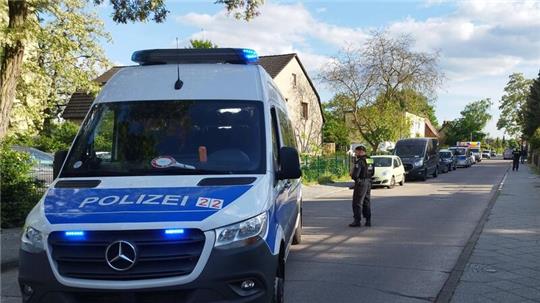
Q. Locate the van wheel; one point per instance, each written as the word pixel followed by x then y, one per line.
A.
pixel 424 176
pixel 297 237
pixel 402 182
pixel 392 183
pixel 279 283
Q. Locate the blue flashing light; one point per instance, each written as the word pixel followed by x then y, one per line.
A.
pixel 250 55
pixel 74 233
pixel 175 231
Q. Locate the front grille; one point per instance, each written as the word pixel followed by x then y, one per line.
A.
pixel 407 167
pixel 158 255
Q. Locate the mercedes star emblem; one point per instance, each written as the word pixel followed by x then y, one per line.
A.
pixel 121 255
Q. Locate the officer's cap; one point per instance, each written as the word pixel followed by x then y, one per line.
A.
pixel 361 147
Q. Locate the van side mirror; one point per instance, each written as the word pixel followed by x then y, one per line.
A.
pixel 289 163
pixel 59 158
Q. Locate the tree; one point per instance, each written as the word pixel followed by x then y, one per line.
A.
pixel 469 126
pixel 195 43
pixel 376 79
pixel 23 24
pixel 335 129
pixel 512 103
pixel 531 111
pixel 66 57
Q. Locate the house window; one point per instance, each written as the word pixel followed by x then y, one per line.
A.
pixel 294 80
pixel 305 110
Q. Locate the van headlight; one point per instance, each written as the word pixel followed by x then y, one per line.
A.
pixel 242 233
pixel 32 240
pixel 418 162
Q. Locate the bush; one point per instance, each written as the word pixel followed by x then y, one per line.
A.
pixel 59 137
pixel 18 191
pixel 535 139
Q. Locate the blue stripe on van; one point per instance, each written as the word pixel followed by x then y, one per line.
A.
pixel 124 205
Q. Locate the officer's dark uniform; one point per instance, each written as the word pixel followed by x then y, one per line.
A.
pixel 516 154
pixel 362 190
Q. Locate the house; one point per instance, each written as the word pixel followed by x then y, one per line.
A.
pixel 421 127
pixel 291 78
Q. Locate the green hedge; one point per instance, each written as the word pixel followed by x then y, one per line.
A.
pixel 18 191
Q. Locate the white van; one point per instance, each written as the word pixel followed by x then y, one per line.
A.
pixel 182 185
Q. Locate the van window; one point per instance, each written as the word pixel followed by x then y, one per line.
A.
pixel 190 137
pixel 275 139
pixel 396 163
pixel 287 132
pixel 410 149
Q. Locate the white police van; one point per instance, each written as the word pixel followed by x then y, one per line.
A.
pixel 182 185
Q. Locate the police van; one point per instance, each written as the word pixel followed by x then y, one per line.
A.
pixel 182 185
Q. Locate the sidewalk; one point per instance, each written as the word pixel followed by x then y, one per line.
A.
pixel 505 263
pixel 10 248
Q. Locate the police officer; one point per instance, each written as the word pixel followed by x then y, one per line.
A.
pixel 516 155
pixel 361 174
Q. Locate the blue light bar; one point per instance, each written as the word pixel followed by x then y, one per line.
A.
pixel 194 56
pixel 74 233
pixel 175 231
pixel 250 55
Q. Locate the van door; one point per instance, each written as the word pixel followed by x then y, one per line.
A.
pixel 290 205
pixel 281 189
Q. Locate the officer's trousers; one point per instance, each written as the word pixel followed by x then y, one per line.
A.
pixel 362 200
pixel 515 164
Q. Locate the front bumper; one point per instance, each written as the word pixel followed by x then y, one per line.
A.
pixel 219 281
pixel 380 181
pixel 415 172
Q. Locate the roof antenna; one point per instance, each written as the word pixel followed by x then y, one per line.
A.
pixel 178 84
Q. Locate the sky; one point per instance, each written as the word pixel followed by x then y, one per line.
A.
pixel 480 42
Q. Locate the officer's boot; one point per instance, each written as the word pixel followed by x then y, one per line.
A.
pixel 355 223
pixel 368 222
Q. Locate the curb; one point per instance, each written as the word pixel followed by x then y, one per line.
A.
pixel 447 291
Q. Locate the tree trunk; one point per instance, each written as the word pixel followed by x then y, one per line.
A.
pixel 11 62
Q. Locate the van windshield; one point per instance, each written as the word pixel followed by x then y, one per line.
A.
pixel 408 150
pixel 169 138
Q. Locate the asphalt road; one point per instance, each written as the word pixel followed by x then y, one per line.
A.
pixel 418 233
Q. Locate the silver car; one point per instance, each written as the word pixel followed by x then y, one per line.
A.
pixel 42 164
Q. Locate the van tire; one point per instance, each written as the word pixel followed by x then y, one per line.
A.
pixel 297 237
pixel 402 182
pixel 278 295
pixel 424 176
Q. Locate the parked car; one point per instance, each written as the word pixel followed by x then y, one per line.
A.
pixel 486 154
pixel 388 172
pixel 493 153
pixel 448 161
pixel 508 154
pixel 42 164
pixel 463 156
pixel 420 157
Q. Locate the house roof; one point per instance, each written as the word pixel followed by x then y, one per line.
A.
pixel 431 127
pixel 80 102
pixel 276 63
